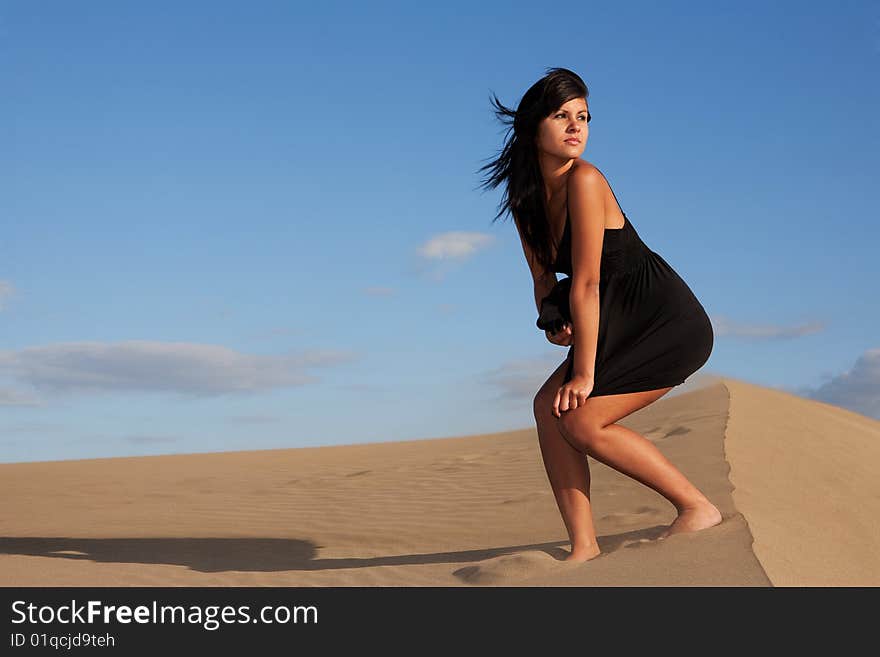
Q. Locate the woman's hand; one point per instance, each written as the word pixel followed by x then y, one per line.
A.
pixel 563 337
pixel 572 394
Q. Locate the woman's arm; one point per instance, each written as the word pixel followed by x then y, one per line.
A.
pixel 543 285
pixel 585 318
pixel 587 216
pixel 544 280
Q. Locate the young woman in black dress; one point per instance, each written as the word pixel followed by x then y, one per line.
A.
pixel 640 329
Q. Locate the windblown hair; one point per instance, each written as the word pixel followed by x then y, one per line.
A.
pixel 517 164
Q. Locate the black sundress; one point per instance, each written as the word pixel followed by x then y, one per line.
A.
pixel 653 331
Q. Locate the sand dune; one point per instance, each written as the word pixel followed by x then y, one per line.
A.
pixel 805 477
pixel 471 511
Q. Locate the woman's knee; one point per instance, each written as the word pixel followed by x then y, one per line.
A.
pixel 579 431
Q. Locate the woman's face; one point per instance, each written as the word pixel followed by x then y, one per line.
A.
pixel 564 133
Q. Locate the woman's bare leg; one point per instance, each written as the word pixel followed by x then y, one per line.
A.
pixel 590 429
pixel 568 471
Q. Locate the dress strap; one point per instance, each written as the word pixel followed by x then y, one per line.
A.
pixel 614 195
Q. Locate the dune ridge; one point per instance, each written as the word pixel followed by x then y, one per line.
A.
pixel 805 478
pixel 464 511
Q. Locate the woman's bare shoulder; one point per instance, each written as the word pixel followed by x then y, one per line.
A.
pixel 585 174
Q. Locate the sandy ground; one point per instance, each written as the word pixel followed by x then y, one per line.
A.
pixel 794 479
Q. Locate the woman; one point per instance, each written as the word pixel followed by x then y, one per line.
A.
pixel 640 330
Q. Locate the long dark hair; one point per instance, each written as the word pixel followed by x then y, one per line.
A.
pixel 517 163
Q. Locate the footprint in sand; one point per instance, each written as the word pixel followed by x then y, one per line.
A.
pixel 635 517
pixel 510 568
pixel 659 433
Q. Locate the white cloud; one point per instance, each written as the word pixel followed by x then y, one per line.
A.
pixel 455 245
pixel 724 327
pixel 857 389
pixel 140 365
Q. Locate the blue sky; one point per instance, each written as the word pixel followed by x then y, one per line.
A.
pixel 257 225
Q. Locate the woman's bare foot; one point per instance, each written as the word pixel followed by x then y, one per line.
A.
pixel 692 519
pixel 585 553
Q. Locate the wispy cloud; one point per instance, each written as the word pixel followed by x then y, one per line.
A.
pixel 16 397
pixel 140 365
pixel 519 380
pixel 454 245
pixel 857 389
pixel 724 327
pixel 446 251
